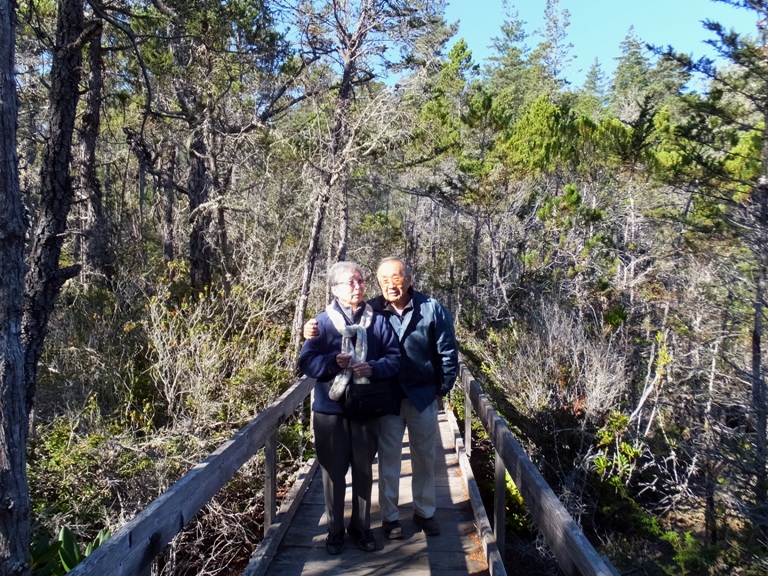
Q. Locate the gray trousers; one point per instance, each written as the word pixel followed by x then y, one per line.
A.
pixel 341 443
pixel 422 435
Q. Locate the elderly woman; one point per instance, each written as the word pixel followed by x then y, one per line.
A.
pixel 355 346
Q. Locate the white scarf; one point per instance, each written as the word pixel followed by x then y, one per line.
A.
pixel 359 351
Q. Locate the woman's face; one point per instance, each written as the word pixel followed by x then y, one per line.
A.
pixel 349 289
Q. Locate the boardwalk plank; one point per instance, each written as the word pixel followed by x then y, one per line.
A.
pixel 456 551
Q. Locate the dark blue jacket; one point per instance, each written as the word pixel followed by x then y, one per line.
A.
pixel 318 356
pixel 429 360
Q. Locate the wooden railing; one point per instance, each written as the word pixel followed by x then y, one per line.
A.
pixel 575 555
pixel 134 546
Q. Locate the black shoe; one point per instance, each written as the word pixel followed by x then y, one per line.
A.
pixel 429 526
pixel 364 538
pixel 334 543
pixel 393 530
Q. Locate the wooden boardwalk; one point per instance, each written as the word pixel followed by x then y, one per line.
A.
pixel 457 550
pixel 132 550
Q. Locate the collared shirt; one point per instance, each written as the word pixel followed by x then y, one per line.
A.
pixel 400 313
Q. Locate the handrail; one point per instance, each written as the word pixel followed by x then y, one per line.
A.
pixel 575 555
pixel 493 555
pixel 135 545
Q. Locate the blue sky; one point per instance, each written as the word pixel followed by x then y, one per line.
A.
pixel 599 26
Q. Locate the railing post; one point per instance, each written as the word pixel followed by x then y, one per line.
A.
pixel 270 480
pixel 500 502
pixel 467 413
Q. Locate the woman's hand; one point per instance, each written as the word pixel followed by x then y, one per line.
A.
pixel 343 360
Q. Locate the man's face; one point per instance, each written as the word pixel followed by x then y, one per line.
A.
pixel 394 283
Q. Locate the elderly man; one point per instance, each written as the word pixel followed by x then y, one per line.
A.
pixel 428 369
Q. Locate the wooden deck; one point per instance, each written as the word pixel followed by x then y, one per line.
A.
pixel 457 550
pixel 133 549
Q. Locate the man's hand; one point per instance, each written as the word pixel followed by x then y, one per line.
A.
pixel 310 329
pixel 362 369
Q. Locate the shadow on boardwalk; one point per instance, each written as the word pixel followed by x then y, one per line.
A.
pixel 457 550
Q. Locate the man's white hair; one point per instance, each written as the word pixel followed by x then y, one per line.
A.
pixel 406 268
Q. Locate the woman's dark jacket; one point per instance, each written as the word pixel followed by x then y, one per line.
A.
pixel 318 356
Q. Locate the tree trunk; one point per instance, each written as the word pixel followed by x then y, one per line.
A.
pixel 473 272
pixel 759 406
pixel 495 277
pixel 334 166
pixel 200 249
pixel 223 247
pixel 321 204
pixel 14 491
pixel 96 263
pixel 452 304
pixel 711 465
pixel 341 252
pixel 45 278
pixel 166 185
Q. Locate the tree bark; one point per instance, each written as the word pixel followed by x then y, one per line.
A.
pixel 96 263
pixel 759 407
pixel 341 252
pixel 321 204
pixel 14 492
pixel 473 271
pixel 45 277
pixel 200 248
pixel 165 179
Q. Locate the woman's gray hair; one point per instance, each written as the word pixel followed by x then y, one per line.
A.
pixel 335 271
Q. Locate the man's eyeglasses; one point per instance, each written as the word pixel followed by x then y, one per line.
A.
pixel 395 280
pixel 351 283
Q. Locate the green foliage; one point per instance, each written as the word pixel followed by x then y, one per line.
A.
pixel 616 457
pixel 615 316
pixel 690 556
pixel 592 99
pixel 744 164
pixel 537 139
pixel 517 516
pixel 438 128
pixel 633 66
pixel 384 231
pixel 60 556
pixel 65 465
pixel 44 556
pixel 568 210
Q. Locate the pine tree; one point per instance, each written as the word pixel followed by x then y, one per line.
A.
pixel 556 51
pixel 592 98
pixel 630 78
pixel 15 524
pixel 725 143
